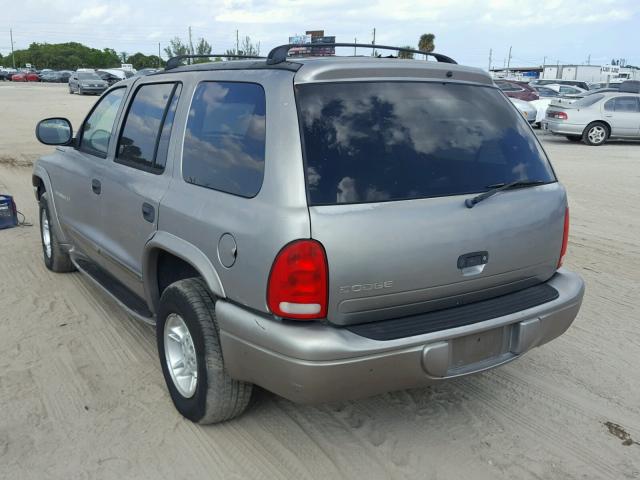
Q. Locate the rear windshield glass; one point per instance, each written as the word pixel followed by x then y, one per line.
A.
pixel 383 141
pixel 589 100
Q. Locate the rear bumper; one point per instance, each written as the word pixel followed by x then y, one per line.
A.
pixel 314 362
pixel 563 128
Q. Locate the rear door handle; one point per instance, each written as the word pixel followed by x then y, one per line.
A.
pixel 148 212
pixel 96 186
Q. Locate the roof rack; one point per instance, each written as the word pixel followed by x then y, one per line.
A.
pixel 174 62
pixel 279 54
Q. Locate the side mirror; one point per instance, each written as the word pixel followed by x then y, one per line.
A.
pixel 54 131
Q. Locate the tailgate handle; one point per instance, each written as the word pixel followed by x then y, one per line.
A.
pixel 472 259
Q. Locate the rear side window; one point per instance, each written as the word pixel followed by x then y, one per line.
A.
pixel 383 141
pixel 626 104
pixel 145 135
pixel 224 144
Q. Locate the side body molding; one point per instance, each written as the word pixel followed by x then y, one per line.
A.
pixel 164 241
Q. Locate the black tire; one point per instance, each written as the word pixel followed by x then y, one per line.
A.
pixel 588 135
pixel 217 396
pixel 56 259
pixel 574 138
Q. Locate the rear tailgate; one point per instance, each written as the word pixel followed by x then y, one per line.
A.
pixel 401 258
pixel 388 168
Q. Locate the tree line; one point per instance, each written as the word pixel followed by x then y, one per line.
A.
pixel 73 55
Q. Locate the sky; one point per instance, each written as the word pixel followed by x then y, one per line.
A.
pixel 565 31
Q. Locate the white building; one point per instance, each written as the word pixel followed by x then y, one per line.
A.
pixel 586 73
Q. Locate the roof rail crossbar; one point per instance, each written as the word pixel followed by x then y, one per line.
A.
pixel 174 62
pixel 279 54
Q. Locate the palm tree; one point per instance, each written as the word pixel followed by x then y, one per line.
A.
pixel 426 42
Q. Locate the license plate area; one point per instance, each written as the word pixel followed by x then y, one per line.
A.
pixel 479 347
pixel 480 351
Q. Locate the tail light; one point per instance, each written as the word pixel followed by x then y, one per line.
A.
pixel 565 238
pixel 558 115
pixel 298 282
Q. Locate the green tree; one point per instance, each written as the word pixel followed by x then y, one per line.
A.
pixel 203 48
pixel 67 56
pixel 176 47
pixel 426 42
pixel 247 47
pixel 140 60
pixel 404 54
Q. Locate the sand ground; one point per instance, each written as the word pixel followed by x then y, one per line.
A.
pixel 82 395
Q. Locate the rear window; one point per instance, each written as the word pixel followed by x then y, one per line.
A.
pixel 587 101
pixel 384 141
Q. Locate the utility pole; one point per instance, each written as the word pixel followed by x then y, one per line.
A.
pixel 589 59
pixel 508 61
pixel 355 40
pixel 159 59
pixel 13 58
pixel 237 43
pixel 191 52
pixel 490 53
pixel 373 52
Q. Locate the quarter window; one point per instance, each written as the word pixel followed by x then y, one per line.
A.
pixel 144 140
pixel 224 145
pixel 96 130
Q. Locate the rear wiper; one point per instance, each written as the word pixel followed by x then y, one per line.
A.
pixel 499 187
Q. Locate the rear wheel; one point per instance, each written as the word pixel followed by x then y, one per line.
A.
pixel 191 356
pixel 574 138
pixel 55 258
pixel 595 134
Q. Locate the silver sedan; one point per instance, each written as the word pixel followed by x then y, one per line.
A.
pixel 596 118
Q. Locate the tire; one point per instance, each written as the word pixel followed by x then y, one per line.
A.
pixel 70 90
pixel 216 397
pixel 55 258
pixel 574 138
pixel 595 134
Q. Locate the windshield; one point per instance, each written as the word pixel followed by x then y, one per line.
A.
pixel 88 76
pixel 383 141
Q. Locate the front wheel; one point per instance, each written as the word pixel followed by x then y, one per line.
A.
pixel 595 134
pixel 191 356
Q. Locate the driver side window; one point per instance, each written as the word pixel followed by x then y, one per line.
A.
pixel 96 130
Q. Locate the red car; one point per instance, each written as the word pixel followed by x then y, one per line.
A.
pixel 25 77
pixel 519 90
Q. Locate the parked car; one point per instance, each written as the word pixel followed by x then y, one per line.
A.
pixel 25 77
pixel 527 110
pixel 110 78
pixel 545 82
pixel 6 74
pixel 324 235
pixel 82 82
pixel 521 91
pixel 596 118
pixel 565 89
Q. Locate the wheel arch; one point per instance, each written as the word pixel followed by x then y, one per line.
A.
pixel 163 244
pixel 604 122
pixel 41 185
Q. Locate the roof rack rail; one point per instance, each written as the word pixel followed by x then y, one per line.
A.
pixel 174 62
pixel 279 54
